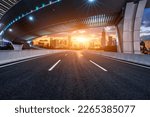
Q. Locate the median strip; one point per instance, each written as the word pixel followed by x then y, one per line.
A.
pixel 54 65
pixel 98 66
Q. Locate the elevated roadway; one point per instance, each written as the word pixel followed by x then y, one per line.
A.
pixel 63 15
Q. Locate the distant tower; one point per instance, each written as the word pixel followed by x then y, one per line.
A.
pixel 52 43
pixel 110 41
pixel 103 39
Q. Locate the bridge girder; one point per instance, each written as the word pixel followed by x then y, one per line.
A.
pixel 59 17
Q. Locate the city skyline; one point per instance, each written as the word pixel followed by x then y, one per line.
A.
pixel 87 38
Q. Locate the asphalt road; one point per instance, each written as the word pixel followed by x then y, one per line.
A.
pixel 74 75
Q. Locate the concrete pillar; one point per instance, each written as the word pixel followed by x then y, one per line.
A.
pixel 119 31
pixel 128 27
pixel 131 27
pixel 119 49
pixel 137 25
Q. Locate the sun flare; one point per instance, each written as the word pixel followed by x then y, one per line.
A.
pixel 81 40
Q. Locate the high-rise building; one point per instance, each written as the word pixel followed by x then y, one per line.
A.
pixel 110 41
pixel 103 39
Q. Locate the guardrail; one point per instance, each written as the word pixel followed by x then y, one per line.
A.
pixel 12 56
pixel 135 58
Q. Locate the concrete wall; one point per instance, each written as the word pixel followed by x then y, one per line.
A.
pixel 11 56
pixel 135 58
pixel 128 27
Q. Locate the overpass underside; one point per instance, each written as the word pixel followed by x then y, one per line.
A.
pixel 125 15
pixel 127 26
pixel 82 23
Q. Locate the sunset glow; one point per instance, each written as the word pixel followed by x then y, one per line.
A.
pixel 79 39
pixel 82 40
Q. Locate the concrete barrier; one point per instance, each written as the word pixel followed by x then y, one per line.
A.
pixel 135 58
pixel 12 56
pixel 17 47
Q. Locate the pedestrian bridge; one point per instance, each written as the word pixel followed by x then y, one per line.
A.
pixel 23 20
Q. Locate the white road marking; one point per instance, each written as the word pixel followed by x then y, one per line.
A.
pixel 54 65
pixel 14 63
pixel 79 54
pixel 98 66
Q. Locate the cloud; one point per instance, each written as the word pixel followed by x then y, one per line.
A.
pixel 145 37
pixel 146 23
pixel 146 18
pixel 145 28
pixel 110 29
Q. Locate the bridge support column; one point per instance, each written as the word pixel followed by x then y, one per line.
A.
pixel 137 25
pixel 119 29
pixel 131 27
pixel 128 28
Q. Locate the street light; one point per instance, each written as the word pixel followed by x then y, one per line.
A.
pixel 10 30
pixel 91 1
pixel 31 18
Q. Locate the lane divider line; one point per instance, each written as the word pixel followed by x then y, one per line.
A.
pixel 98 66
pixel 54 65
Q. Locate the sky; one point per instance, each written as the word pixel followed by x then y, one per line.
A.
pixel 90 33
pixel 145 28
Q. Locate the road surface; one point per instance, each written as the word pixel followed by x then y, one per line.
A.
pixel 74 75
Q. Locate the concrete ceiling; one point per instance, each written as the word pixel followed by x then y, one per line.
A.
pixel 6 5
pixel 64 15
